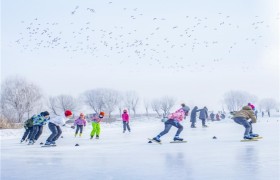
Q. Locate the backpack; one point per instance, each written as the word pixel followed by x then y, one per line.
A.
pixel 28 123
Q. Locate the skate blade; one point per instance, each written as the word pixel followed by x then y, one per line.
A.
pixel 257 137
pixel 154 141
pixel 178 141
pixel 247 140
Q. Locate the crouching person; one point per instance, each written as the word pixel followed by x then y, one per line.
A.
pixel 246 117
pixel 55 124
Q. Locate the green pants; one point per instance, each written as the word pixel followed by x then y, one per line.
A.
pixel 95 129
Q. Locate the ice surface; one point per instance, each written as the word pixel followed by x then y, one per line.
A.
pixel 129 156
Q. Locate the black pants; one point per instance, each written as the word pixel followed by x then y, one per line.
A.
pixel 28 132
pixel 36 132
pixel 168 124
pixel 56 132
pixel 79 127
pixel 126 125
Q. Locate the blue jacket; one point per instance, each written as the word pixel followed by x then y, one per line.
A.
pixel 39 120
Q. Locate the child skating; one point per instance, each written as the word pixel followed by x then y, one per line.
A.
pixel 54 126
pixel 125 119
pixel 80 123
pixel 242 117
pixel 28 126
pixel 38 123
pixel 96 125
pixel 174 119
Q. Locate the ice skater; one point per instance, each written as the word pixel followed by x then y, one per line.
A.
pixel 242 117
pixel 174 119
pixel 96 125
pixel 38 123
pixel 80 123
pixel 125 119
pixel 54 126
pixel 28 126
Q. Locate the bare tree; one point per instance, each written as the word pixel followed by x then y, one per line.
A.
pixel 120 104
pixel 94 99
pixel 53 105
pixel 156 104
pixel 59 104
pixel 166 103
pixel 147 106
pixel 111 99
pixel 235 100
pixel 131 101
pixel 19 99
pixel 268 104
pixel 67 102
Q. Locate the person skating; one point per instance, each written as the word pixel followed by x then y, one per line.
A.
pixel 242 117
pixel 193 116
pixel 212 116
pixel 80 123
pixel 203 115
pixel 96 125
pixel 54 126
pixel 38 123
pixel 125 119
pixel 174 119
pixel 28 126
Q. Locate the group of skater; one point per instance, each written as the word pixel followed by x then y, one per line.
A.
pixel 245 117
pixel 34 126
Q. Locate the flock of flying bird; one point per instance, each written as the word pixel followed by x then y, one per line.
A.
pixel 159 41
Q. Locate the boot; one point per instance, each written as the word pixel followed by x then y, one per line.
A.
pixel 254 135
pixel 97 137
pixel 177 138
pixel 248 137
pixel 80 134
pixel 76 134
pixel 157 139
pixel 47 143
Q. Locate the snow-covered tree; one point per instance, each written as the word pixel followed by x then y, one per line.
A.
pixel 156 104
pixel 235 100
pixel 268 104
pixel 58 104
pixel 166 103
pixel 19 99
pixel 131 100
pixel 147 105
pixel 94 99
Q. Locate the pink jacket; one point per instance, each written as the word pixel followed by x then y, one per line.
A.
pixel 80 121
pixel 178 115
pixel 125 117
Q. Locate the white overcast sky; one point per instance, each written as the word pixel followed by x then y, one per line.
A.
pixel 192 50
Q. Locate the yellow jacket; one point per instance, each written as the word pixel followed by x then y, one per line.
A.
pixel 247 113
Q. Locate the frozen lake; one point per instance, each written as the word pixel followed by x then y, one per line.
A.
pixel 128 156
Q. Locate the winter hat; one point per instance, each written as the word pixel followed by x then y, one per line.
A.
pixel 186 108
pixel 101 114
pixel 45 113
pixel 68 113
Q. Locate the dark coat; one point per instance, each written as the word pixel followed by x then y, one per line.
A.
pixel 203 113
pixel 193 113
